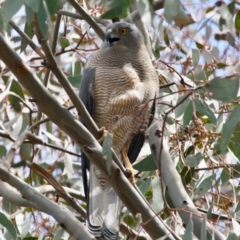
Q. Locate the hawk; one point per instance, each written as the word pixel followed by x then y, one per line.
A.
pixel 118 88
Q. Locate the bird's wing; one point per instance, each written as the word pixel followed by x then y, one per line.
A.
pixel 88 101
pixel 139 139
pixel 103 204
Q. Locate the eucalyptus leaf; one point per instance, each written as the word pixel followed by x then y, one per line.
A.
pixel 64 42
pixel 195 57
pixel 194 159
pixel 225 175
pixel 223 89
pixel 147 164
pixel 229 127
pixel 188 114
pixel 204 110
pixel 180 109
pixel 5 222
pixel 75 80
pixel 205 185
pixel 188 235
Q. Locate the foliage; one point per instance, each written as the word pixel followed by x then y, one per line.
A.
pixel 195 46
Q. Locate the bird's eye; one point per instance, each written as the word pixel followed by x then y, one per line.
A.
pixel 122 31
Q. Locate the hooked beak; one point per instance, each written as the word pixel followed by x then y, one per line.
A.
pixel 110 37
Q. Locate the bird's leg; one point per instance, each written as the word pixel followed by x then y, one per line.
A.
pixel 103 132
pixel 128 166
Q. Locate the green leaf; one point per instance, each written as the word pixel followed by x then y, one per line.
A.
pixel 29 14
pixel 3 151
pixel 5 222
pixel 193 160
pixel 145 186
pixel 231 39
pixel 77 69
pixel 58 233
pixel 33 5
pixel 237 207
pixel 204 24
pixel 75 81
pixel 224 89
pixel 147 164
pixel 235 171
pixel 107 151
pixel 225 175
pixel 209 213
pixel 188 235
pixel 42 19
pixel 182 107
pixel 158 203
pixel 237 21
pixel 232 236
pixel 17 89
pixel 204 109
pixel 28 30
pixel 64 42
pixel 54 5
pixel 116 9
pixel 229 127
pixel 195 57
pixel 205 185
pixel 203 229
pixel 234 144
pixel 187 175
pixel 173 8
pixel 10 7
pixel 14 101
pixel 165 36
pixel 188 114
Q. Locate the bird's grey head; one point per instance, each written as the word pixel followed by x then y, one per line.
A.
pixel 123 33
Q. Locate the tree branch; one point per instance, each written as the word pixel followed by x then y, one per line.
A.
pixel 173 182
pixel 26 38
pixel 61 214
pixel 65 121
pixel 88 19
pixel 25 135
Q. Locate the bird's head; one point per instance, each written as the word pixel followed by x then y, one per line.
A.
pixel 123 33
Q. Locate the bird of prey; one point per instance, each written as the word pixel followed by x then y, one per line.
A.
pixel 118 88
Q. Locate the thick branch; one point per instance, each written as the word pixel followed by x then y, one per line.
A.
pixel 61 214
pixel 173 183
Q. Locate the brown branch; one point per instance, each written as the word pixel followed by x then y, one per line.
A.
pixel 62 215
pixel 88 19
pixel 26 38
pixel 11 153
pixel 60 190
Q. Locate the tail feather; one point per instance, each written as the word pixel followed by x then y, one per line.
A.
pixel 104 206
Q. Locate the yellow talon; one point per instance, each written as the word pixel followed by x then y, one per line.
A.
pixel 103 132
pixel 128 166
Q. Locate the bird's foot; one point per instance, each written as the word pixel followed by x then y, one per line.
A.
pixel 103 133
pixel 130 175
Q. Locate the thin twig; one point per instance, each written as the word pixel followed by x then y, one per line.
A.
pixel 26 38
pixel 60 190
pixel 25 135
pixel 88 19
